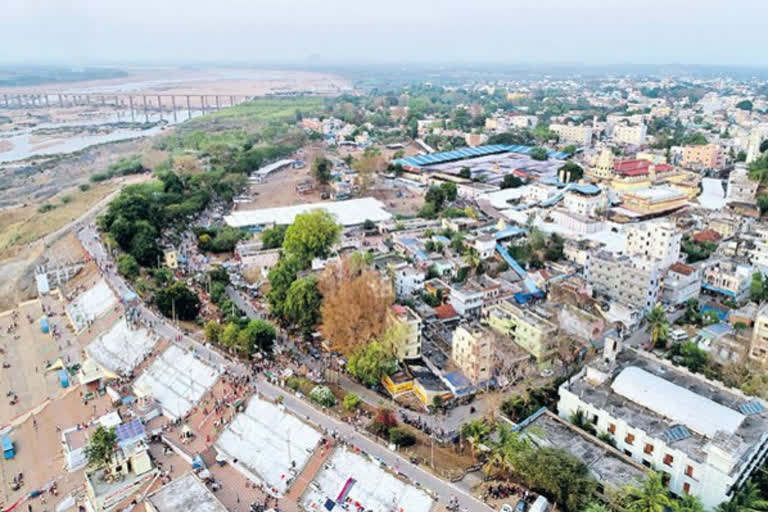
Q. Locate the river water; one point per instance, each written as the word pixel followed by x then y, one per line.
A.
pixel 24 147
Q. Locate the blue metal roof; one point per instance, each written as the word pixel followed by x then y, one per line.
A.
pixel 677 433
pixel 751 408
pixel 463 153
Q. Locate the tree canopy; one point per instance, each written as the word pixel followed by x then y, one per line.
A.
pixel 101 447
pixel 311 235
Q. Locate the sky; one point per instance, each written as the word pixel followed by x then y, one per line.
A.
pixel 581 32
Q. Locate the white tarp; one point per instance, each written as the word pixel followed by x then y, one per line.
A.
pixel 347 213
pixel 269 442
pixel 374 488
pixel 121 348
pixel 177 380
pixel 90 305
pixel 681 405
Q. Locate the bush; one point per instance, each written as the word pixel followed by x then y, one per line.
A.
pixel 401 437
pixel 323 395
pixel 45 207
pixel 351 402
pixel 66 199
pixel 84 187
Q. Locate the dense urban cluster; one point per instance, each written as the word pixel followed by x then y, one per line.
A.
pixel 512 294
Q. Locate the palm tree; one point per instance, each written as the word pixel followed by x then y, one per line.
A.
pixel 658 325
pixel 476 432
pixel 652 497
pixel 688 503
pixel 595 506
pixel 471 258
pixel 506 452
pixel 746 499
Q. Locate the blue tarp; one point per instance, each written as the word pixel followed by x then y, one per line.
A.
pixel 44 325
pixel 8 451
pixel 63 378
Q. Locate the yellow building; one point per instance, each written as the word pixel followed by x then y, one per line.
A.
pixel 528 329
pixel 400 382
pixel 171 257
pixel 653 200
pixel 603 166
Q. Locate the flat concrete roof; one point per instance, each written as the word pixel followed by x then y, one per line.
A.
pixel 347 213
pixel 185 494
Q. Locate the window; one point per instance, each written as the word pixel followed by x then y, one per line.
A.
pixel 689 471
pixel 648 448
pixel 668 459
pixel 612 428
pixel 687 488
pixel 630 439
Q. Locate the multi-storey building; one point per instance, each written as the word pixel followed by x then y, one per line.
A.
pixel 633 281
pixel 758 347
pixel 408 346
pixel 658 240
pixel 653 200
pixel 529 329
pixel 581 135
pixel 727 278
pixel 629 134
pixel 581 202
pixel 703 438
pixel 603 167
pixel 681 284
pixel 741 189
pixel 706 156
pixel 472 349
pixel 467 299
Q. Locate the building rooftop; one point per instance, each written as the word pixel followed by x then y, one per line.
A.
pixel 609 467
pixel 347 213
pixel 657 397
pixel 185 494
pixel 682 268
pixel 657 194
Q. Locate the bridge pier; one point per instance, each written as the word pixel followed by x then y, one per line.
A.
pixel 133 115
pixel 189 109
pixel 173 106
pixel 146 113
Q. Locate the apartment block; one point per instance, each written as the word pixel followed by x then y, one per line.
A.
pixel 706 156
pixel 580 135
pixel 741 189
pixel 409 345
pixel 758 347
pixel 472 350
pixel 531 330
pixel 681 284
pixel 727 278
pixel 659 240
pixel 630 134
pixel 633 281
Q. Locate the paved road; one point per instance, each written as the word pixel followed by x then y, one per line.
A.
pixel 444 490
pixel 90 239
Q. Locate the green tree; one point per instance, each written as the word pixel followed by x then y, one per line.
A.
pixel 311 235
pixel 351 402
pixel 465 173
pixel 746 499
pixel 745 105
pixel 258 335
pixel 401 437
pixel 127 266
pixel 476 433
pixel 511 181
pixel 321 169
pixel 212 331
pixel 436 196
pixel 281 276
pixel 228 337
pixel 179 298
pixel 539 153
pixel 370 363
pixel 688 503
pixel 757 287
pixel 651 497
pixel 302 304
pixel 595 506
pixel 657 324
pixel 449 190
pixel 101 447
pixel 571 171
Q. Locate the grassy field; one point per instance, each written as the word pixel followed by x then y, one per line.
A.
pixel 262 110
pixel 22 226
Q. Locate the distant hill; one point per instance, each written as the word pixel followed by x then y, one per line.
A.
pixel 10 77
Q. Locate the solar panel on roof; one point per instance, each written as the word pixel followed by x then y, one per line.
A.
pixel 677 433
pixel 130 430
pixel 753 407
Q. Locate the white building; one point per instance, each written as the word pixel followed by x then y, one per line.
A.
pixel 634 281
pixel 586 205
pixel 629 134
pixel 681 284
pixel 580 135
pixel 705 439
pixel 485 245
pixel 409 345
pixel 473 349
pixel 408 280
pixel 659 240
pixel 727 278
pixel 467 300
pixel 741 189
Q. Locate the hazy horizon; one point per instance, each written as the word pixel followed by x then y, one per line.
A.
pixel 554 32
